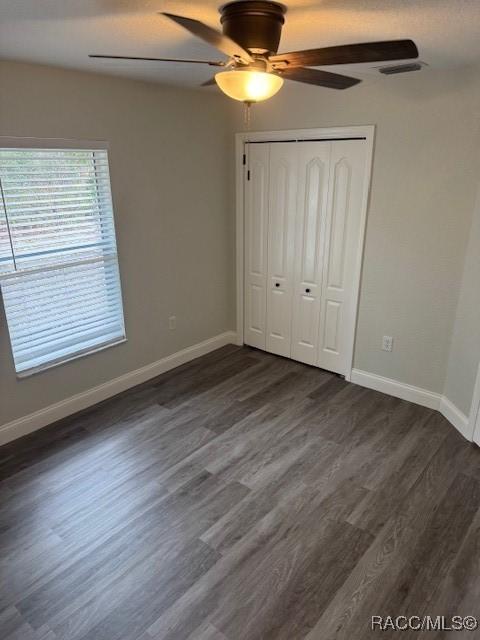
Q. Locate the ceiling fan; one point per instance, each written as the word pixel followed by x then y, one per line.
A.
pixel 254 71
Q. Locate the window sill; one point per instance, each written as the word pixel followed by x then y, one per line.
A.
pixel 56 363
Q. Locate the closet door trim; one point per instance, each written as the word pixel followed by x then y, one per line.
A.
pixel 242 140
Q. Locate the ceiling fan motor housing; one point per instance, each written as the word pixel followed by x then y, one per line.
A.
pixel 256 25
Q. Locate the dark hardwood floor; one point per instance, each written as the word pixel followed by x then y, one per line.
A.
pixel 239 497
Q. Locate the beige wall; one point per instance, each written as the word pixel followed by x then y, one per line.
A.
pixel 169 160
pixel 423 187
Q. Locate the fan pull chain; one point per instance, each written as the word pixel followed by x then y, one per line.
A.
pixel 247 116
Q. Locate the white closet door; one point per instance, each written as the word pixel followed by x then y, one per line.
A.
pixel 314 160
pixel 256 228
pixel 281 238
pixel 343 247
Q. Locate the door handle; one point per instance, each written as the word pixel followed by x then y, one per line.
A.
pixel 307 290
pixel 277 284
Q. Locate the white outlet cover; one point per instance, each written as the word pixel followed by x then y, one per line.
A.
pixel 387 343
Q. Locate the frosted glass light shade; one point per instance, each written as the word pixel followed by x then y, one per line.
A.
pixel 248 86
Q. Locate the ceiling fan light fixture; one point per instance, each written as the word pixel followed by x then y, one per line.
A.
pixel 247 85
pixel 250 37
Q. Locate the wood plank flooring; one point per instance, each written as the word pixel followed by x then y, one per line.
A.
pixel 241 496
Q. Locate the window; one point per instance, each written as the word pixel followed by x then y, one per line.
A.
pixel 58 258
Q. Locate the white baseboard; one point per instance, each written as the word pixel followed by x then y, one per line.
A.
pixel 43 417
pixel 27 424
pixel 456 417
pixel 417 395
pixel 397 389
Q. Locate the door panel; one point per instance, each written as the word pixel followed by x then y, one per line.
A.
pixel 332 319
pixel 256 316
pixel 343 247
pixel 307 324
pixel 340 211
pixel 315 183
pixel 281 230
pixel 256 221
pixel 313 174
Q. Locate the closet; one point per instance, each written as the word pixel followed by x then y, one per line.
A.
pixel 303 242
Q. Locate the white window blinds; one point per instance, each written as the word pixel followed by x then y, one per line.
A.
pixel 58 258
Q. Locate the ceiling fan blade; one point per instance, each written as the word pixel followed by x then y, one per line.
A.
pixel 209 83
pixel 223 43
pixel 350 53
pixel 210 62
pixel 319 78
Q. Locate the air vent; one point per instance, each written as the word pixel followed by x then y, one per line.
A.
pixel 401 68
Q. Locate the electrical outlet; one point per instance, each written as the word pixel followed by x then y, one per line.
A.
pixel 172 322
pixel 387 343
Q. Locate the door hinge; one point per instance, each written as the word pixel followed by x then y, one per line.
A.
pixel 248 174
pixel 244 158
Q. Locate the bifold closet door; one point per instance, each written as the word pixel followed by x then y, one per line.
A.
pixel 312 202
pixel 256 230
pixel 342 253
pixel 303 245
pixel 280 246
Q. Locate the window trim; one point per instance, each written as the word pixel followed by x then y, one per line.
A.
pixel 14 142
pixel 80 354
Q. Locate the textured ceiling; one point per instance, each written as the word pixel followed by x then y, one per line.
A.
pixel 64 32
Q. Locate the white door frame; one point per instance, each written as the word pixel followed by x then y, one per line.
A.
pixel 474 417
pixel 329 133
